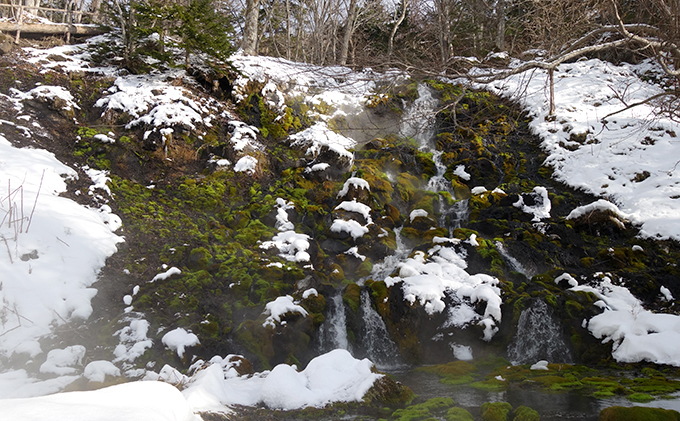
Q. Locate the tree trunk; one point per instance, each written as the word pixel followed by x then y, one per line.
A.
pixel 349 31
pixel 500 25
pixel 390 41
pixel 249 42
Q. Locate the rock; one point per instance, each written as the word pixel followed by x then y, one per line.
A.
pixel 638 413
pixel 388 392
pixel 6 44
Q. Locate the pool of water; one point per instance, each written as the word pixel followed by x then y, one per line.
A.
pixel 571 405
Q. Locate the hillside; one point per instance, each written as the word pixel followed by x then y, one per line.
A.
pixel 250 231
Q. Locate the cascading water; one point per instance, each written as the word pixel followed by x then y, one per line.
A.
pixel 382 270
pixel 538 337
pixel 375 339
pixel 419 123
pixel 514 264
pixel 333 331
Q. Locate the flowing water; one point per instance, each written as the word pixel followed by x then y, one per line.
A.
pixel 333 332
pixel 376 340
pixel 514 264
pixel 538 337
pixel 419 123
pixel 389 264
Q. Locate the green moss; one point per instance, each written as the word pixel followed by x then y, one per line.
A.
pixel 352 296
pixel 491 385
pixel 458 414
pixel 455 372
pixel 638 413
pixel 640 397
pixel 524 413
pixel 364 268
pixel 423 410
pixel 496 411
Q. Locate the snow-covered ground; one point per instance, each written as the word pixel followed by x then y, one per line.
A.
pixel 628 156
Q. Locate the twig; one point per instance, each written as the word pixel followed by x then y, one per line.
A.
pixel 30 218
pixel 644 101
pixel 9 252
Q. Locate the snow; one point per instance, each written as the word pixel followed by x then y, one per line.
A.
pixel 309 293
pixel 540 365
pixel 460 172
pixel 637 334
pixel 178 339
pixel 318 136
pixel 417 213
pixel 243 136
pixel 427 279
pixel 52 250
pixel 567 277
pixel 356 182
pixel 152 100
pixel 136 401
pixel 356 207
pixel 279 307
pixel 332 377
pixel 61 361
pixel 629 157
pixel 292 246
pixel 96 371
pixel 246 164
pixel 462 352
pixel 599 205
pixel 666 293
pixel 165 275
pixel 50 93
pixel 133 340
pixel 352 227
pixel 478 190
pixel 541 207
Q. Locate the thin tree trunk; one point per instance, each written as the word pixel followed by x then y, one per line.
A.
pixel 349 31
pixel 288 29
pixel 249 42
pixel 500 25
pixel 390 41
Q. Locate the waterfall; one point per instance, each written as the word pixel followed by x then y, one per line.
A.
pixel 514 264
pixel 382 270
pixel 538 337
pixel 418 121
pixel 379 347
pixel 333 331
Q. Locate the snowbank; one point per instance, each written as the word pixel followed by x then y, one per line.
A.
pixel 137 401
pixel 52 249
pixel 332 377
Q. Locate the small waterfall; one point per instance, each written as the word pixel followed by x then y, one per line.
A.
pixel 382 270
pixel 379 347
pixel 514 264
pixel 418 121
pixel 538 337
pixel 333 331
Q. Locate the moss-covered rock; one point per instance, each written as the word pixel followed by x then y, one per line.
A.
pixel 496 411
pixel 638 413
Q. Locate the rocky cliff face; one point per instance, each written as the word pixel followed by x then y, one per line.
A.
pixel 413 247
